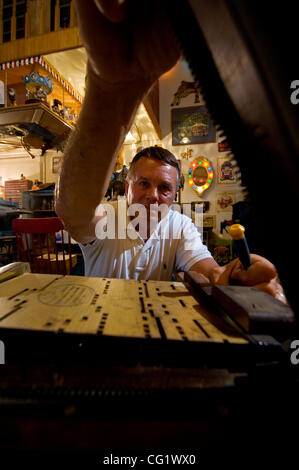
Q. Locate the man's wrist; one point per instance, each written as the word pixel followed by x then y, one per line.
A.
pixel 138 87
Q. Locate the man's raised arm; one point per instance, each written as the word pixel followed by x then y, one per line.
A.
pixel 128 50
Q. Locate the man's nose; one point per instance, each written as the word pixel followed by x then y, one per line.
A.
pixel 152 194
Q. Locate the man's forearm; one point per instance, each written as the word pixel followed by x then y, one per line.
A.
pixel 89 159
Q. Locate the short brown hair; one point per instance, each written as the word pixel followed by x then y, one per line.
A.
pixel 158 153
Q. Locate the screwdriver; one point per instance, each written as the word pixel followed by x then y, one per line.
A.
pixel 237 232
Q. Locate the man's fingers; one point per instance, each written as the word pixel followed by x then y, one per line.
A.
pixel 261 270
pixel 222 274
pixel 260 274
pixel 113 10
pixel 273 288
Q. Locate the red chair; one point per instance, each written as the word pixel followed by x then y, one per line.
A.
pixel 38 245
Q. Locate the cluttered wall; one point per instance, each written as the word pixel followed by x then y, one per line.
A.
pixel 180 98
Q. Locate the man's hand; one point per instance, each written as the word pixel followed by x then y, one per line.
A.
pixel 129 45
pixel 126 40
pixel 261 274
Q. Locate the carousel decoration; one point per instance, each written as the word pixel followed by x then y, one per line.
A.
pixel 37 88
pixel 200 175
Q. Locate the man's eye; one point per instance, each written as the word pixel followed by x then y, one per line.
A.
pixel 165 188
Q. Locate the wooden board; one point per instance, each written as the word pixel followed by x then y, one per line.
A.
pixel 109 307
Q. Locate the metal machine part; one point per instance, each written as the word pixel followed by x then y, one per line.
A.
pixel 235 52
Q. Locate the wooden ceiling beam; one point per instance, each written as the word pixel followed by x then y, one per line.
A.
pixel 42 44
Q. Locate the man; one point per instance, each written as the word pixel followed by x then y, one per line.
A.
pixel 127 53
pixel 153 240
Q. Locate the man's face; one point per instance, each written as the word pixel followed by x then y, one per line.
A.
pixel 151 182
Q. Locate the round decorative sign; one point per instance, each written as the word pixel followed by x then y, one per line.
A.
pixel 200 174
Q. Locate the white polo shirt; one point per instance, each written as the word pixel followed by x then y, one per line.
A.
pixel 175 244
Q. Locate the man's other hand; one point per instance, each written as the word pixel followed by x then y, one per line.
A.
pixel 260 274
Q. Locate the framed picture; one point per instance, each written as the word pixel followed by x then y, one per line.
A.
pixel 56 164
pixel 192 125
pixel 225 171
pixel 221 250
pixel 224 201
pixel 209 221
